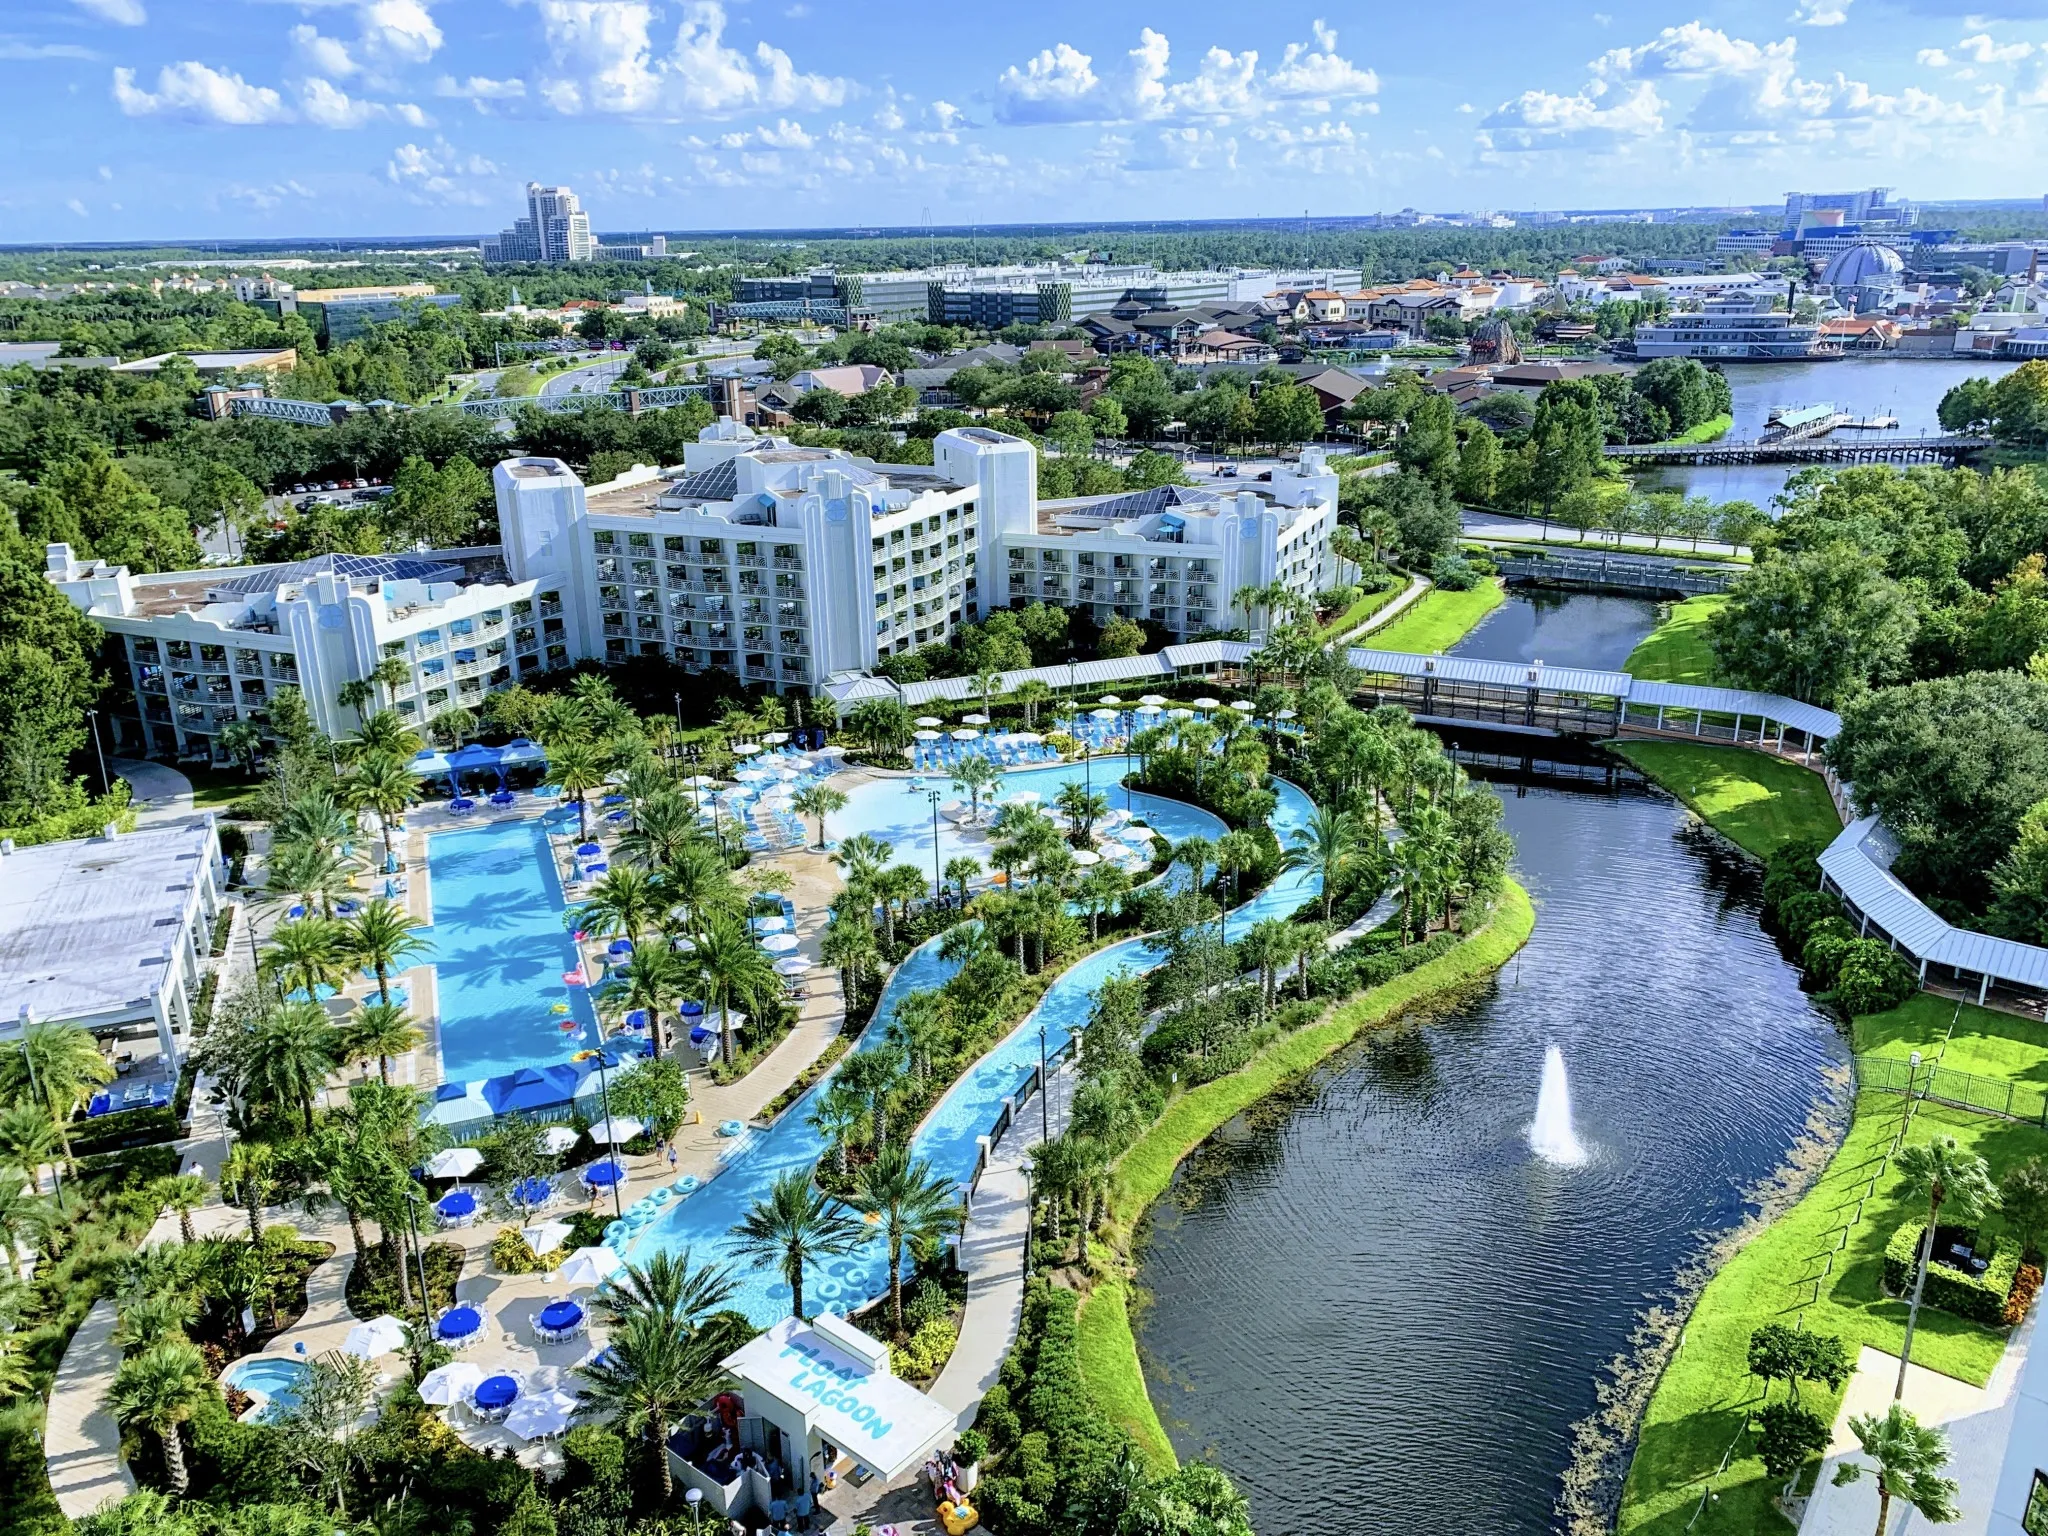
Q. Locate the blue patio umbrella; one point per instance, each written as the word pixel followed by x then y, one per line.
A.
pixel 531 1088
pixel 557 1315
pixel 603 1175
pixel 456 1203
pixel 532 1192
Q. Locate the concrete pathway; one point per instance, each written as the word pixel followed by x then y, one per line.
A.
pixel 1417 586
pixel 1482 527
pixel 161 793
pixel 81 1442
pixel 1979 1421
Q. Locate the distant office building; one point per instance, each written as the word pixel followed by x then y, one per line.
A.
pixel 343 314
pixel 1745 242
pixel 555 229
pixel 1805 210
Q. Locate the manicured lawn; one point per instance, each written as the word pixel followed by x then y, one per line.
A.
pixel 1706 1393
pixel 1439 620
pixel 1363 609
pixel 1676 650
pixel 1109 1365
pixel 215 788
pixel 1713 428
pixel 1761 802
pixel 1984 1042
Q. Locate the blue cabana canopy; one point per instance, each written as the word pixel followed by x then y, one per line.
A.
pixel 531 1088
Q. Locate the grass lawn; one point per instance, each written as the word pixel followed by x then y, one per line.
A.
pixel 1363 609
pixel 1109 1365
pixel 217 788
pixel 1984 1042
pixel 1676 650
pixel 1706 1393
pixel 1439 619
pixel 1760 802
pixel 1710 430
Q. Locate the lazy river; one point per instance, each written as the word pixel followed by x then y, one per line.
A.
pixel 891 808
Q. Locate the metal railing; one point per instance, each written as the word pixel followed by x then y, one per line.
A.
pixel 2003 1097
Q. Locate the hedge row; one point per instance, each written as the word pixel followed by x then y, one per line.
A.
pixel 1041 1421
pixel 1979 1298
pixel 126 1128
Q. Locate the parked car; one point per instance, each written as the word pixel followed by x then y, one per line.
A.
pixel 298 490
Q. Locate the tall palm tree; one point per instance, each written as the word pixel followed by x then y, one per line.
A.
pixel 383 938
pixel 1100 889
pixel 656 980
pixel 158 1390
pixel 382 782
pixel 1081 806
pixel 975 776
pixel 316 818
pixel 1326 847
pixel 184 1193
pixel 576 768
pixel 1948 1176
pixel 649 1374
pixel 850 946
pixel 156 1317
pixel 914 1205
pixel 861 858
pixel 290 1053
pixel 249 1178
pixel 919 1027
pixel 29 1139
pixel 663 828
pixel 901 884
pixel 819 800
pixel 1031 693
pixel 961 870
pixel 623 904
pixel 1907 1460
pixel 307 954
pixel 796 1224
pixel 25 1220
pixel 59 1064
pixel 838 1115
pixel 311 874
pixel 731 969
pixel 699 882
pixel 1195 855
pixel 988 683
pixel 1236 852
pixel 379 1031
pixel 874 1076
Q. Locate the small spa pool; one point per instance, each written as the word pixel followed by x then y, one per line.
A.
pixel 273 1380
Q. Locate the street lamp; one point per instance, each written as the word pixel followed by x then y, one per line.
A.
pixel 106 784
pixel 412 1217
pixel 938 887
pixel 1044 1089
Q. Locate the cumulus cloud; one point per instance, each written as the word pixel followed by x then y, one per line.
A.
pixel 328 55
pixel 199 93
pixel 1933 58
pixel 1981 49
pixel 326 105
pixel 15 49
pixel 1593 117
pixel 123 13
pixel 1821 13
pixel 439 173
pixel 391 35
pixel 602 60
pixel 1061 84
pixel 480 89
pixel 271 195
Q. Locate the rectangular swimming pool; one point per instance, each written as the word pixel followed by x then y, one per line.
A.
pixel 499 949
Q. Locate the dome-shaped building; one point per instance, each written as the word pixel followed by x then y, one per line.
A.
pixel 1863 276
pixel 1494 342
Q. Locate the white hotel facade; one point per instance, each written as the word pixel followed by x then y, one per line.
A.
pixel 782 565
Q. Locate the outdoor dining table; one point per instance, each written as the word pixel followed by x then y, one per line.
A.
pixel 459 1324
pixel 558 1320
pixel 456 1206
pixel 533 1192
pixel 494 1395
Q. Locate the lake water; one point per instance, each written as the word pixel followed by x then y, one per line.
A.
pixel 1907 388
pixel 1368 1301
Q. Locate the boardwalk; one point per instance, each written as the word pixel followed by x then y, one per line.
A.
pixel 1928 448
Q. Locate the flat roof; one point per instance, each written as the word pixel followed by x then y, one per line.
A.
pixel 88 927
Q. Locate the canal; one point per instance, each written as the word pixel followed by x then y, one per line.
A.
pixel 1368 1301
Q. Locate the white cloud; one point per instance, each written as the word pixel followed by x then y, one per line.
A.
pixel 1544 119
pixel 1061 84
pixel 440 173
pixel 123 13
pixel 12 49
pixel 327 55
pixel 401 31
pixel 267 197
pixel 602 60
pixel 326 105
pixel 1821 13
pixel 480 89
pixel 1933 58
pixel 106 173
pixel 76 207
pixel 194 91
pixel 1982 50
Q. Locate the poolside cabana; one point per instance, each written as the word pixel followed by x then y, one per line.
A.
pixel 478 758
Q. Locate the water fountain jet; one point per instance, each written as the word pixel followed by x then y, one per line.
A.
pixel 1551 1136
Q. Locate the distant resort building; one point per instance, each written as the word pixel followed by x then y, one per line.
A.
pixel 1735 329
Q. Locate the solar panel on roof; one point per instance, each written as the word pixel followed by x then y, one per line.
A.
pixel 350 567
pixel 721 482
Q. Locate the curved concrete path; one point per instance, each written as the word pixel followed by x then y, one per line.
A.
pixel 160 792
pixel 81 1441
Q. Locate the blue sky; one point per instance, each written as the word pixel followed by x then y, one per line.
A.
pixel 134 119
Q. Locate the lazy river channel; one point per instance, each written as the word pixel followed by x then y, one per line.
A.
pixel 1368 1302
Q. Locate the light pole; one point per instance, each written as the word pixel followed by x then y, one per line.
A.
pixel 938 887
pixel 1044 1090
pixel 106 783
pixel 604 1097
pixel 412 1217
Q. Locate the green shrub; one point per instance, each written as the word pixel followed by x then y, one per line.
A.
pixel 1979 1298
pixel 1826 944
pixel 125 1129
pixel 1454 573
pixel 928 1303
pixel 133 1169
pixel 997 1417
pixel 926 1353
pixel 1797 915
pixel 372 1287
pixel 586 1228
pixel 1872 978
pixel 236 1463
pixel 511 1254
pixel 1787 1437
pixel 970 1447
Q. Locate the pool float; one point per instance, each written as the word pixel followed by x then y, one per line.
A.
pixel 583 1055
pixel 614 1231
pixel 662 1196
pixel 558 1008
pixel 730 1127
pixel 959 1518
pixel 574 978
pixel 827 1290
pixel 685 1184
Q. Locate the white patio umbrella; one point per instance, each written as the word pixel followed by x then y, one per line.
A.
pixel 1027 738
pixel 928 721
pixel 771 925
pixel 1023 797
pixel 546 1236
pixel 1180 714
pixel 1153 698
pixel 1104 715
pixel 1149 710
pixel 1109 698
pixel 455 1162
pixel 966 734
pixel 776 738
pixel 451 1383
pixel 1086 856
pixel 1208 704
pixel 379 1336
pixel 927 736
pixel 781 943
pixel 746 749
pixel 589 1266
pixel 615 1129
pixel 1244 706
pixel 975 719
pixel 556 1140
pixel 1285 714
pixel 830 751
pixel 792 965
pixel 702 781
pixel 542 1414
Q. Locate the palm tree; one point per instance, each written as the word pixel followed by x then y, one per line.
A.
pixel 839 1114
pixel 1947 1175
pixel 1194 854
pixel 1326 847
pixel 655 980
pixel 25 1219
pixel 861 858
pixel 913 1204
pixel 919 1026
pixel 383 938
pixel 184 1193
pixel 58 1063
pixel 307 954
pixel 28 1139
pixel 381 782
pixel 874 1076
pixel 1236 852
pixel 158 1390
pixel 794 1224
pixel 819 800
pixel 976 776
pixel 1908 1459
pixel 699 881
pixel 156 1317
pixel 730 968
pixel 987 683
pixel 648 1375
pixel 663 827
pixel 290 1053
pixel 961 870
pixel 1100 890
pixel 249 1178
pixel 851 947
pixel 354 694
pixel 314 818
pixel 378 1032
pixel 902 884
pixel 575 768
pixel 1031 693
pixel 311 874
pixel 382 734
pixel 1080 806
pixel 623 904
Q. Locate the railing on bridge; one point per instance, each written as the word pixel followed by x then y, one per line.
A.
pixel 1926 448
pixel 1630 573
pixel 311 413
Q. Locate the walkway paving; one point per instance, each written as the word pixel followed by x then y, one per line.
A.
pixel 81 1442
pixel 1979 1421
pixel 160 792
pixel 1417 586
pixel 1482 527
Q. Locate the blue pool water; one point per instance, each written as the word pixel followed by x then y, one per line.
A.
pixel 889 809
pixel 499 949
pixel 274 1376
